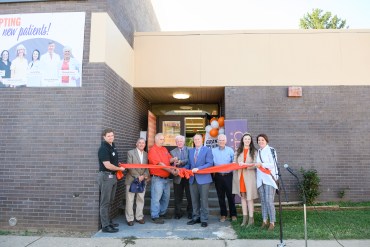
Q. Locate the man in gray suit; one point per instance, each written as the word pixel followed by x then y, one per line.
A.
pixel 181 184
pixel 136 156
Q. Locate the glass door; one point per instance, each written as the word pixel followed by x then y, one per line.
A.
pixel 193 125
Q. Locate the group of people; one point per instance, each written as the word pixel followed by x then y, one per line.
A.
pixel 42 70
pixel 256 177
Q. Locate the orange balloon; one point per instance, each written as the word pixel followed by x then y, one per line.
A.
pixel 212 119
pixel 221 121
pixel 213 132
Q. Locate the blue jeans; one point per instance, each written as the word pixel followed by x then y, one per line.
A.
pixel 160 196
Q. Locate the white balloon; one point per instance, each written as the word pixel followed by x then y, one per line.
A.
pixel 221 131
pixel 208 128
pixel 214 124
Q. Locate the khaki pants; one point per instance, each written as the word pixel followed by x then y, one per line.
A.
pixel 129 211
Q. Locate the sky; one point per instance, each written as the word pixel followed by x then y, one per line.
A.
pixel 202 15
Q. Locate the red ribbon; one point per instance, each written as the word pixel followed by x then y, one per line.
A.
pixel 185 173
pixel 264 170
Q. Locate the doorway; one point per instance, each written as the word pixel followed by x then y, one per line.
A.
pixel 187 126
pixel 182 119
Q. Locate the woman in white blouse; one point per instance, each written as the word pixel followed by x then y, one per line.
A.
pixel 267 180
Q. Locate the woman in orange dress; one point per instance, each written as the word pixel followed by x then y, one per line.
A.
pixel 244 180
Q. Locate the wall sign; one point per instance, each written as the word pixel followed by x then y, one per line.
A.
pixel 41 50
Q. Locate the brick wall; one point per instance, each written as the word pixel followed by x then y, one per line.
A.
pixel 127 112
pixel 326 129
pixel 139 17
pixel 49 137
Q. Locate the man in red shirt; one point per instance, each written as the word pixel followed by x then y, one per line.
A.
pixel 160 187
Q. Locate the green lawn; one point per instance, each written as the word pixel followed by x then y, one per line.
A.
pixel 343 223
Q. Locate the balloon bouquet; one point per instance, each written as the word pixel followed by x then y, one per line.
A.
pixel 215 128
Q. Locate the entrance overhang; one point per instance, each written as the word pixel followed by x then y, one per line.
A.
pixel 200 95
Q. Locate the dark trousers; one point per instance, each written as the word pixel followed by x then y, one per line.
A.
pixel 107 187
pixel 224 186
pixel 179 195
pixel 199 199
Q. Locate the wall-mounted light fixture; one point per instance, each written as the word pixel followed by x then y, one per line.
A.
pixel 181 95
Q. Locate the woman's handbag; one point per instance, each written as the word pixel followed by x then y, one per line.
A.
pixel 137 186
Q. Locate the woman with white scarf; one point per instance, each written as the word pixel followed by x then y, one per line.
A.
pixel 267 180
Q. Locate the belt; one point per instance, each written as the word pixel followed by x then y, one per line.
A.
pixel 113 173
pixel 158 176
pixel 224 174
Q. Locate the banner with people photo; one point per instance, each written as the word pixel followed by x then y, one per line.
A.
pixel 41 49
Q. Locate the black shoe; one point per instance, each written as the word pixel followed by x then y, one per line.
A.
pixel 113 224
pixel 109 229
pixel 192 222
pixel 204 224
pixel 158 221
pixel 130 223
pixel 165 216
pixel 178 216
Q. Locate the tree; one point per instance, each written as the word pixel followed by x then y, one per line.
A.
pixel 317 20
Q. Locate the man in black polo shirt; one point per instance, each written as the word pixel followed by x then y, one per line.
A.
pixel 108 166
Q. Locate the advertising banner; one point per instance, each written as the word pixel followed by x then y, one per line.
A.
pixel 234 130
pixel 170 130
pixel 41 49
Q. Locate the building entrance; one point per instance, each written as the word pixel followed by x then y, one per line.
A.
pixel 173 120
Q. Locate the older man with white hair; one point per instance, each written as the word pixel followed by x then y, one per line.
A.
pixel 160 187
pixel 224 180
pixel 180 184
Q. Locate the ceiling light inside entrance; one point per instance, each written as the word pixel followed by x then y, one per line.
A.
pixel 181 95
pixel 185 107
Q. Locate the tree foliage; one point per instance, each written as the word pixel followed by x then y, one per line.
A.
pixel 318 20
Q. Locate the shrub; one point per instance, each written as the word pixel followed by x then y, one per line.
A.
pixel 310 185
pixel 342 192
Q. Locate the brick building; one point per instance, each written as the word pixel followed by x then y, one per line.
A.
pixel 49 136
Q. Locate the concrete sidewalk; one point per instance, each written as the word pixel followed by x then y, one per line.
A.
pixel 172 229
pixel 34 241
pixel 173 233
